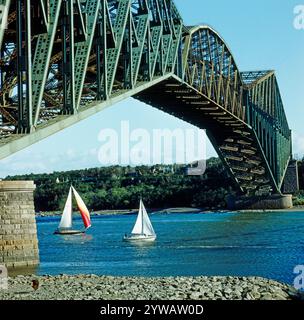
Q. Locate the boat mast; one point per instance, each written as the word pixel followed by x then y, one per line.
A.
pixel 142 216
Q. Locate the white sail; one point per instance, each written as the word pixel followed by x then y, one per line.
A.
pixel 139 222
pixel 66 219
pixel 147 225
pixel 143 224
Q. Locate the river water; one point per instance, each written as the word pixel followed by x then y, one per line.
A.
pixel 248 244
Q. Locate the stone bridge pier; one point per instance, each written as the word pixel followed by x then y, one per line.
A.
pixel 272 202
pixel 18 231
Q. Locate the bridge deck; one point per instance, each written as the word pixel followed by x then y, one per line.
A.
pixel 76 58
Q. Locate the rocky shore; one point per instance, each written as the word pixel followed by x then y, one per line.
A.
pixel 93 287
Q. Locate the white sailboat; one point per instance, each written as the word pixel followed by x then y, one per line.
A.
pixel 66 223
pixel 143 229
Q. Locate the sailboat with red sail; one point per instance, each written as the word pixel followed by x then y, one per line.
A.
pixel 66 223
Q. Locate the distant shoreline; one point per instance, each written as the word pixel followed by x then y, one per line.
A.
pixel 127 212
pixel 171 211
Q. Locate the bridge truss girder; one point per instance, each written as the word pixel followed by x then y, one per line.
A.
pixel 63 60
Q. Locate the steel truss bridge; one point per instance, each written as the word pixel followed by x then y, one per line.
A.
pixel 64 60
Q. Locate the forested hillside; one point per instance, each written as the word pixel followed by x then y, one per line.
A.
pixel 117 187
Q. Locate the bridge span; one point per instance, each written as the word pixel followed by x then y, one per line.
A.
pixel 62 61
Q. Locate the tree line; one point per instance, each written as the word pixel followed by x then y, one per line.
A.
pixel 116 187
pixel 160 186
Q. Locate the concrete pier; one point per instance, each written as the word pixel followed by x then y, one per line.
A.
pixel 273 202
pixel 291 183
pixel 18 232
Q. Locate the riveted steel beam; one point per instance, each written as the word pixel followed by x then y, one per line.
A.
pixel 82 54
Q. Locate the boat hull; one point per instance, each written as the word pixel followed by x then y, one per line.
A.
pixel 139 238
pixel 69 232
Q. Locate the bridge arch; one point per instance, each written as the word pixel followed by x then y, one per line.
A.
pixel 88 55
pixel 209 66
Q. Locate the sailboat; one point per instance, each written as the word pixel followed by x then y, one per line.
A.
pixel 66 223
pixel 143 229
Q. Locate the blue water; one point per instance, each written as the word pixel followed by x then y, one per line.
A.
pixel 265 244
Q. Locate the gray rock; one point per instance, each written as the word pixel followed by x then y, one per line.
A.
pixel 195 296
pixel 267 296
pixel 280 297
pixel 104 287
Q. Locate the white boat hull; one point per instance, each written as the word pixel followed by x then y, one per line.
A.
pixel 139 238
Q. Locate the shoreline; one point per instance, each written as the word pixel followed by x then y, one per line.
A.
pixel 131 211
pixel 173 211
pixel 93 287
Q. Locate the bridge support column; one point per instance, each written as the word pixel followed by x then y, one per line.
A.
pixel 291 180
pixel 18 232
pixel 273 202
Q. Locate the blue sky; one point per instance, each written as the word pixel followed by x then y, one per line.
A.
pixel 260 35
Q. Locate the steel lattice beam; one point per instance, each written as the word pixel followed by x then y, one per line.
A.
pixel 64 60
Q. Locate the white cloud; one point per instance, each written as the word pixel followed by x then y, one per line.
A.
pixel 32 166
pixel 71 153
pixel 35 162
pixel 93 152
